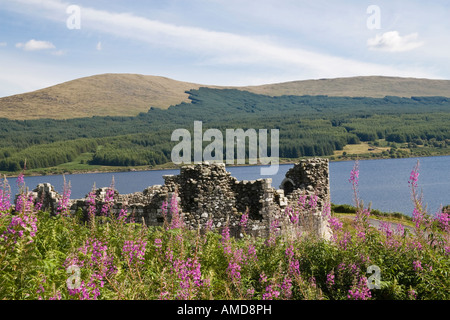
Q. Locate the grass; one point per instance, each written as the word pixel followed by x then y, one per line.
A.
pixel 63 256
pixel 361 148
pixel 346 211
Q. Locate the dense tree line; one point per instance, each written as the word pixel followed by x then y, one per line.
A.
pixel 309 126
pixel 47 155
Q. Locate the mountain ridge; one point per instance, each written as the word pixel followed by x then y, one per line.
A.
pixel 124 94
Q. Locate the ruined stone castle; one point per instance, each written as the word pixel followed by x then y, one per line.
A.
pixel 208 193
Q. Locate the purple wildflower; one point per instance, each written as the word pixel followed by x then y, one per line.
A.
pixel 443 220
pixel 209 225
pixel 414 176
pixel 360 290
pixel 293 216
pixel 251 254
pixel 20 181
pixel 5 194
pixel 63 205
pixel 189 278
pixel 417 265
pixel 354 174
pixel 134 251
pixel 273 232
pixel 412 295
pixel 176 218
pixel 91 203
pixel 244 220
pixel 109 201
pixel 93 255
pixel 330 279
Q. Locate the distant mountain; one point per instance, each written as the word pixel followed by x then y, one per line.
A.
pixel 130 94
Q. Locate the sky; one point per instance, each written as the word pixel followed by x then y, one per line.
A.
pixel 221 42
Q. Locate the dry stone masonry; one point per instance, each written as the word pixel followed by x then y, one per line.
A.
pixel 207 192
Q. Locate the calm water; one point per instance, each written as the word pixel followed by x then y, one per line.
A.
pixel 382 182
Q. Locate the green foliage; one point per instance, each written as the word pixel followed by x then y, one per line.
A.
pixel 309 126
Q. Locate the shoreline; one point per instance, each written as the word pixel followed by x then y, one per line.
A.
pixel 167 166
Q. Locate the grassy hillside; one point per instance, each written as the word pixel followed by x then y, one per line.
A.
pixel 130 94
pixel 375 86
pixel 100 95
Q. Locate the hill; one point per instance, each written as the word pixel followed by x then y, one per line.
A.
pixel 373 86
pixel 130 94
pixel 99 95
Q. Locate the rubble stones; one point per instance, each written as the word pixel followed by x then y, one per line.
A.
pixel 207 191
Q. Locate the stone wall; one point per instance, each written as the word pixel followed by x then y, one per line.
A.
pixel 207 191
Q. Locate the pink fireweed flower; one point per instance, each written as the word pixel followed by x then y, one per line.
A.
pixel 335 224
pixel 23 224
pixel 234 272
pixel 301 202
pixel 95 256
pixel 346 240
pixel 417 265
pixel 412 295
pixel 262 278
pixel 415 245
pixel 271 293
pixel 326 210
pixel 5 194
pixel 91 203
pixel 189 278
pixel 293 216
pixel 354 174
pixel 443 220
pixel 209 225
pixel 294 268
pixel 414 176
pixel 286 288
pixel 176 218
pixel 226 243
pixel 236 258
pixel 250 293
pixel 251 254
pixel 361 235
pixel 385 227
pixel 447 250
pixel 244 220
pixel 20 181
pixel 289 252
pixel 123 214
pixel 313 201
pixel 330 279
pixel 109 202
pixel 63 205
pixel 360 290
pixel 24 202
pixel 134 251
pixel 158 243
pixel 418 217
pixel 273 232
pixel 354 179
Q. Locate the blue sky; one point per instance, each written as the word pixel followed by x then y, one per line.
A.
pixel 221 42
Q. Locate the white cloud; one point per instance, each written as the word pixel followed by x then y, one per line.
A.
pixel 34 45
pixel 99 46
pixel 392 42
pixel 3 44
pixel 237 55
pixel 58 53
